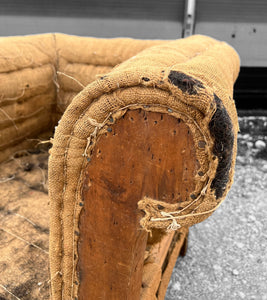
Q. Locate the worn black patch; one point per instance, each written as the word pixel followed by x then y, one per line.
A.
pixel 185 83
pixel 221 129
pixel 145 79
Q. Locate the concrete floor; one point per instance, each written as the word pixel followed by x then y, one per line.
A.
pixel 227 257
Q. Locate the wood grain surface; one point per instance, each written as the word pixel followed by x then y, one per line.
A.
pixel 142 154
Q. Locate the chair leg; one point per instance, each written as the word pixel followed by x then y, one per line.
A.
pixel 185 246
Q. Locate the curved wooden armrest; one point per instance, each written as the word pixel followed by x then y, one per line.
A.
pixel 147 148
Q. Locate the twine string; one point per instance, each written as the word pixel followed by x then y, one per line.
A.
pixel 174 225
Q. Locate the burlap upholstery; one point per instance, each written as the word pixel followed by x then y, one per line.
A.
pixel 40 75
pixel 154 80
pixel 191 79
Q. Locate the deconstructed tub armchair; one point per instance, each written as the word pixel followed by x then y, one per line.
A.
pixel 145 148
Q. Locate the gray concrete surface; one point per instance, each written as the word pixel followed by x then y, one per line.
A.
pixel 227 256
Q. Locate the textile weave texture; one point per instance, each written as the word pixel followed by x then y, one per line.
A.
pixel 191 79
pixel 94 82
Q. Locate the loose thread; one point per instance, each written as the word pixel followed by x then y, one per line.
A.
pixel 9 118
pixel 174 225
pixel 26 219
pixel 40 142
pixel 92 135
pixel 98 126
pixel 49 280
pixel 61 73
pixel 50 141
pixel 95 123
pixel 7 179
pixel 12 98
pixel 20 238
pixel 10 293
pixel 171 217
pixel 202 193
pixel 44 177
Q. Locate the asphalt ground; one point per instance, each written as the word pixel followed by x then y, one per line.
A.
pixel 227 256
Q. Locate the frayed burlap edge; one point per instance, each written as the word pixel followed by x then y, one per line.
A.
pixel 84 122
